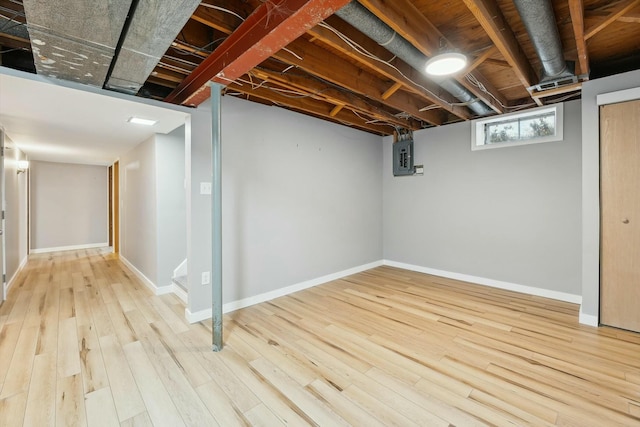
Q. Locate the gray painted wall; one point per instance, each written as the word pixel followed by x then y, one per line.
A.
pixel 15 230
pixel 172 203
pixel 301 199
pixel 591 183
pixel 138 243
pixel 509 214
pixel 69 205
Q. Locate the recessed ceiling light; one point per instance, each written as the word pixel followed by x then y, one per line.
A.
pixel 446 64
pixel 139 121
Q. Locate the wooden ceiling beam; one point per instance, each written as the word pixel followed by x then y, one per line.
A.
pixel 168 75
pixel 406 20
pixel 177 44
pixel 616 13
pixel 333 96
pixel 216 20
pixel 576 9
pixel 630 17
pixel 339 72
pixel 310 105
pixel 490 17
pixel 397 70
pixel 162 82
pixel 13 42
pixel 387 93
pixel 268 29
pixel 313 60
pixel 480 59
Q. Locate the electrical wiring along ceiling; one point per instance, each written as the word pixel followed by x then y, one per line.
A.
pixel 363 66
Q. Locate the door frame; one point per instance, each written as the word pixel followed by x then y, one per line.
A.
pixel 3 261
pixel 616 97
pixel 115 207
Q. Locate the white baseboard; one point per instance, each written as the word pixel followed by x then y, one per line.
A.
pixel 144 279
pixel 69 248
pixel 530 290
pixel 267 296
pixel 180 293
pixel 157 290
pixel 15 275
pixel 588 319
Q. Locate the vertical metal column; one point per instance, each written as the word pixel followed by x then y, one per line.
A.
pixel 216 213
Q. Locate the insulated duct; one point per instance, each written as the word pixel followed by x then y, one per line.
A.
pixel 369 24
pixel 540 23
pixel 75 40
pixel 152 28
pixel 98 44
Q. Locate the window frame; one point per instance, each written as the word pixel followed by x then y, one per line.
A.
pixel 478 127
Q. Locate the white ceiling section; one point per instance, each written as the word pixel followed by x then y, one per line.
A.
pixel 69 123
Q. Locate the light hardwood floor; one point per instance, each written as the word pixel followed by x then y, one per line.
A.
pixel 82 342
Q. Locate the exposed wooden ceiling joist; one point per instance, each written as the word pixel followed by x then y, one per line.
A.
pixel 492 20
pixel 394 69
pixel 312 59
pixel 616 13
pixel 268 29
pixel 406 20
pixel 310 105
pixel 576 9
pixel 333 96
pixel 332 79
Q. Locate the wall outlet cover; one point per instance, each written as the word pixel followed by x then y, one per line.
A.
pixel 205 188
pixel 206 278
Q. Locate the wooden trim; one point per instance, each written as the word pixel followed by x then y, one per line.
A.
pixel 110 203
pixel 116 207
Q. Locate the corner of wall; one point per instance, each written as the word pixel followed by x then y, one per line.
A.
pixel 588 319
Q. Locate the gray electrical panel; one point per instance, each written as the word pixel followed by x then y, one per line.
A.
pixel 403 154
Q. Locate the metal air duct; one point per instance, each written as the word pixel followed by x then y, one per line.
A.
pixel 75 40
pixel 83 41
pixel 153 27
pixel 540 23
pixel 369 24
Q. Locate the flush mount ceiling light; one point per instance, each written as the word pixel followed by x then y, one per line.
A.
pixel 445 64
pixel 139 121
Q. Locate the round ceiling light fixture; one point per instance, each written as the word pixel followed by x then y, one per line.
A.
pixel 446 64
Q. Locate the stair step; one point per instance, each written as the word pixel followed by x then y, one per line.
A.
pixel 182 282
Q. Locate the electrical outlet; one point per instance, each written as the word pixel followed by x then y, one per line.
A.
pixel 206 278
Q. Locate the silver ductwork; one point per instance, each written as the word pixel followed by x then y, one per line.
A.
pixel 98 44
pixel 75 40
pixel 540 23
pixel 369 24
pixel 153 27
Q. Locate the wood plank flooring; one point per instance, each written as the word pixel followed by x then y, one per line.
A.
pixel 82 342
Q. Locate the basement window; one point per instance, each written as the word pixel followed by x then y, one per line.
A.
pixel 534 126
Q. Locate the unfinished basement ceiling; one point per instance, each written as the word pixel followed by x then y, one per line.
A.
pixel 328 65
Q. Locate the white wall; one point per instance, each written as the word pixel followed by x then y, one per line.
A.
pixel 15 230
pixel 506 214
pixel 69 205
pixel 591 185
pixel 301 200
pixel 138 214
pixel 171 203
